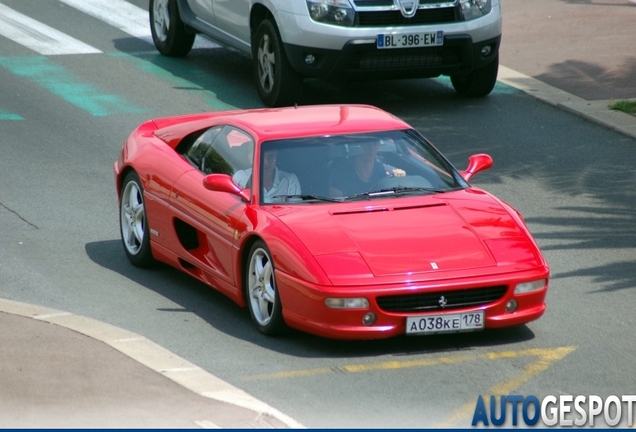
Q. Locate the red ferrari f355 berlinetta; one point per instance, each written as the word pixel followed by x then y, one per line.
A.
pixel 338 220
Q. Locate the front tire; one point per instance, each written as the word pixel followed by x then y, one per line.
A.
pixel 479 82
pixel 261 291
pixel 169 33
pixel 277 82
pixel 133 222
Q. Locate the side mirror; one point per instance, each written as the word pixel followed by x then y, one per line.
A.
pixel 476 163
pixel 224 183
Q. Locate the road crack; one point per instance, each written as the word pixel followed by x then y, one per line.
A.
pixel 19 216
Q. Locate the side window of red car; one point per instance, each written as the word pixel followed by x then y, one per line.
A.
pixel 232 150
pixel 201 145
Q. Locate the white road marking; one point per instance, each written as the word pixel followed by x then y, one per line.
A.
pixel 38 36
pixel 51 315
pixel 185 369
pixel 126 17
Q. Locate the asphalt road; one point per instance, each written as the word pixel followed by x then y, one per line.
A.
pixel 573 180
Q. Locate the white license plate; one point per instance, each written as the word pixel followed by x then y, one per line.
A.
pixel 411 40
pixel 447 323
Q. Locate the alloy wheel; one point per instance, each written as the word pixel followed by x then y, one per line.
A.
pixel 261 287
pixel 161 19
pixel 133 218
pixel 266 63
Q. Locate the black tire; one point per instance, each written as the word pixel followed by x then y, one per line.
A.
pixel 169 33
pixel 278 84
pixel 479 82
pixel 133 222
pixel 261 292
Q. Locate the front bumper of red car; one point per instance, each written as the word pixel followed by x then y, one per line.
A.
pixel 304 305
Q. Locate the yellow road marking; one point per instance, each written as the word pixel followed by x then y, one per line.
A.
pixel 545 358
pixel 545 355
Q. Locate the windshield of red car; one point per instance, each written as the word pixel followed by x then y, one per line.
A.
pixel 341 167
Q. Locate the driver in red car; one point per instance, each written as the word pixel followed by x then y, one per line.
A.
pixel 277 184
pixel 360 174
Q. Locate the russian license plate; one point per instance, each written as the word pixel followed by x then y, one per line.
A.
pixel 410 40
pixel 447 323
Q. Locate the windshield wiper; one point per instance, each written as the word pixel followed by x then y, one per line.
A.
pixel 394 191
pixel 311 197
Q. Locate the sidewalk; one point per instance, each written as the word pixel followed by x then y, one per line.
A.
pixel 59 370
pixel 577 55
pixel 596 111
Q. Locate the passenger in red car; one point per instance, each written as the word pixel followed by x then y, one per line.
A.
pixel 275 182
pixel 360 174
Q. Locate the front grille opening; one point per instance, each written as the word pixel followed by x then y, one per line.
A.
pixel 389 3
pixel 395 17
pixel 409 58
pixel 373 3
pixel 430 301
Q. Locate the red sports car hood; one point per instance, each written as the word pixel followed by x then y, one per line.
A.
pixel 454 231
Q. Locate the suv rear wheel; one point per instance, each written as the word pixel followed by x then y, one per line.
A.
pixel 277 83
pixel 479 82
pixel 168 31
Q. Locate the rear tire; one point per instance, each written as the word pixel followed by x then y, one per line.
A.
pixel 479 82
pixel 278 84
pixel 169 33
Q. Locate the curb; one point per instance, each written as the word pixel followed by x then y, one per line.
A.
pixel 594 111
pixel 152 356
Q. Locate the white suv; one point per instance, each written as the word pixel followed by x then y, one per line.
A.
pixel 341 39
